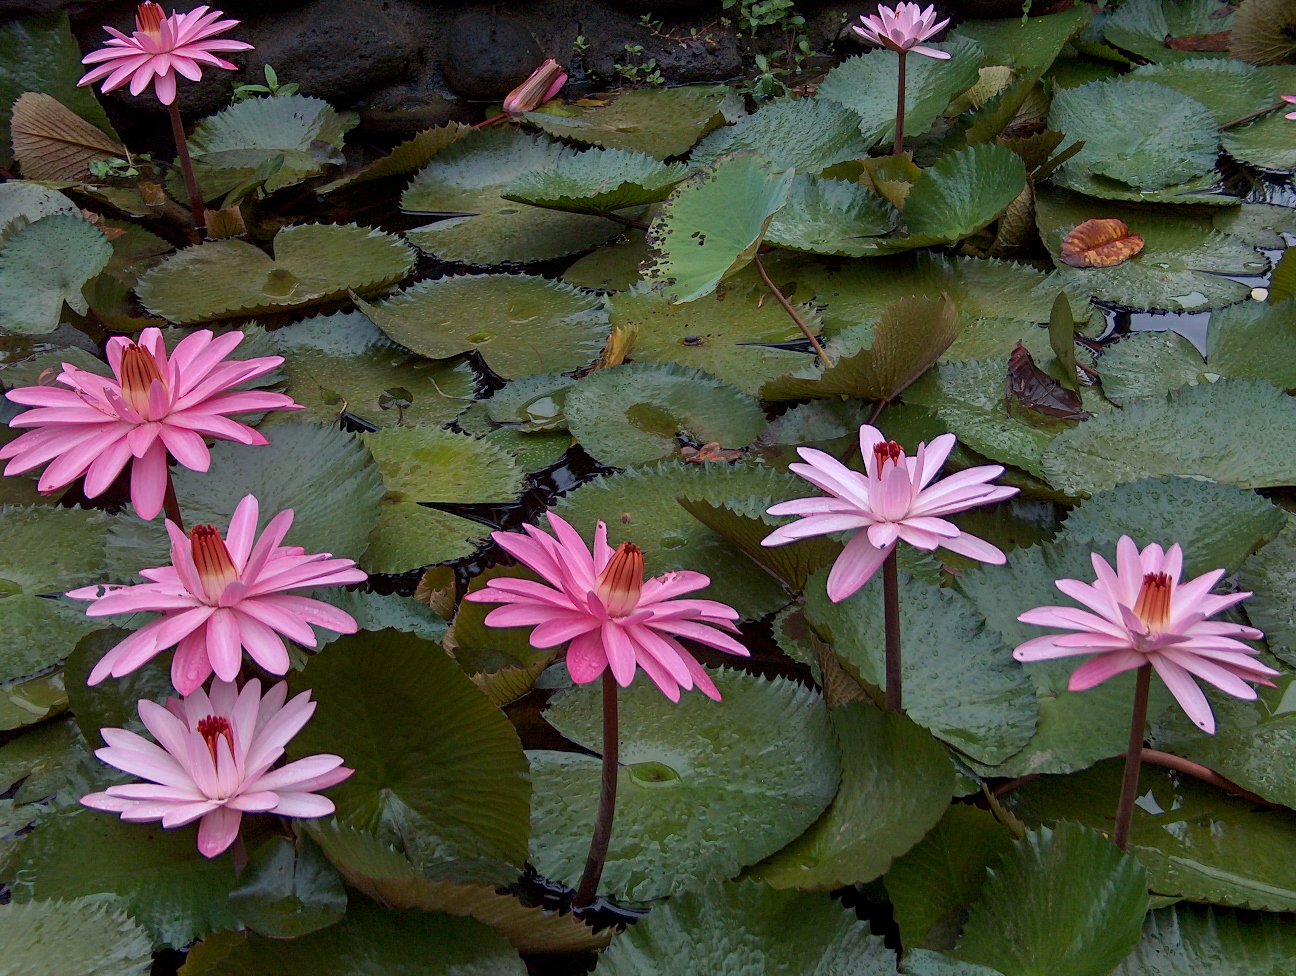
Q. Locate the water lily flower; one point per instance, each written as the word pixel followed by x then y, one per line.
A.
pixel 612 616
pixel 212 761
pixel 153 405
pixel 902 29
pixel 543 84
pixel 1291 100
pixel 891 501
pixel 218 596
pixel 160 47
pixel 1144 615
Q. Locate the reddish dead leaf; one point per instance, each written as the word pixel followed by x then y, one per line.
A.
pixel 1102 242
pixel 1036 390
pixel 711 451
pixel 1199 42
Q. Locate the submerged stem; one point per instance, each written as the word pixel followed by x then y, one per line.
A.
pixel 171 504
pixel 891 613
pixel 787 307
pixel 196 204
pixel 897 149
pixel 1133 759
pixel 607 797
pixel 625 221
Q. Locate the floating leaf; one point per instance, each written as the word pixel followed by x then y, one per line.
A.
pixel 767 745
pixel 1261 32
pixel 963 191
pixel 1209 941
pixel 44 265
pixel 661 122
pixel 313 263
pixel 1029 44
pixel 830 217
pixel 29 202
pixel 1230 89
pixel 634 414
pixel 51 142
pixel 1259 224
pixel 806 134
pixel 412 154
pixel 519 323
pixel 466 181
pixel 289 890
pixel 1262 143
pixel 381 611
pixel 713 223
pixel 612 267
pixel 534 403
pixel 1143 26
pixel 1101 242
pixel 83 936
pixel 1271 575
pixel 597 181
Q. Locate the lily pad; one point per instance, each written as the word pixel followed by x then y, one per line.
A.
pixel 598 181
pixel 289 890
pixel 1261 143
pixel 519 323
pixel 960 680
pixel 1271 575
pixel 896 785
pixel 44 265
pixel 1254 340
pixel 1209 941
pixel 1143 26
pixel 28 201
pixel 1149 364
pixel 412 154
pixel 534 403
pixel 661 122
pixel 767 746
pixel 1029 44
pixel 806 134
pixel 1229 89
pixel 381 611
pixel 712 224
pixel 830 217
pixel 633 414
pixel 1259 224
pixel 84 936
pixel 614 266
pixel 342 362
pixel 466 182
pixel 313 263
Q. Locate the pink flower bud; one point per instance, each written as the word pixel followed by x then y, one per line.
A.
pixel 544 83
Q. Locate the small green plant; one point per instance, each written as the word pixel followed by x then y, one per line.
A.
pixel 580 45
pixel 751 15
pixel 117 168
pixel 766 86
pixel 271 88
pixel 636 71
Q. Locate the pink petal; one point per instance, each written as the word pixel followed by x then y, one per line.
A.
pixel 855 567
pixel 218 830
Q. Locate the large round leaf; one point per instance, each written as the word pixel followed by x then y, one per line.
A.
pixel 466 182
pixel 45 264
pixel 633 414
pixel 597 182
pixel 1208 941
pixel 1144 27
pixel 312 263
pixel 288 889
pixel 896 784
pixel 1271 575
pixel 439 769
pixel 1149 364
pixel 81 937
pixel 830 217
pixel 963 191
pixel 519 323
pixel 1230 89
pixel 806 134
pixel 1025 43
pixel 762 763
pixel 412 154
pixel 661 122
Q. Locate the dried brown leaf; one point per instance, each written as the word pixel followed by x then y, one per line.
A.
pixel 1102 242
pixel 1037 390
pixel 51 142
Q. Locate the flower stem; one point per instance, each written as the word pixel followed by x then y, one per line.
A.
pixel 607 797
pixel 787 307
pixel 485 122
pixel 891 608
pixel 186 167
pixel 897 149
pixel 1133 759
pixel 171 504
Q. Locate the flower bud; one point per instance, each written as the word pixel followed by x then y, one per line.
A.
pixel 543 85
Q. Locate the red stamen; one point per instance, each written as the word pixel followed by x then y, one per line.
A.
pixel 1153 603
pixel 212 728
pixel 216 568
pixel 884 451
pixel 621 581
pixel 138 371
pixel 148 19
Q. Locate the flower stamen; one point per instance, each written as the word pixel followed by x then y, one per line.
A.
pixel 216 569
pixel 621 582
pixel 884 451
pixel 1153 603
pixel 148 19
pixel 212 728
pixel 138 371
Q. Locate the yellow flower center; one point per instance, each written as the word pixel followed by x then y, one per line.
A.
pixel 138 371
pixel 1153 603
pixel 148 19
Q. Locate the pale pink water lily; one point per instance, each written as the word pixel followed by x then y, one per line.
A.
pixel 1144 615
pixel 153 404
pixel 212 761
pixel 1290 100
pixel 893 500
pixel 220 595
pixel 544 83
pixel 611 615
pixel 159 48
pixel 903 28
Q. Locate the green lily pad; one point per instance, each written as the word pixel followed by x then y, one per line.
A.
pixel 896 785
pixel 806 134
pixel 519 323
pixel 381 611
pixel 632 414
pixel 932 885
pixel 531 450
pixel 466 182
pixel 30 700
pixel 733 929
pixel 712 224
pixel 639 506
pixel 1209 941
pixel 1149 364
pixel 27 201
pixel 767 746
pixel 1142 27
pixel 960 681
pixel 1271 575
pixel 378 942
pixel 596 182
pixel 412 154
pixel 342 362
pixel 324 475
pixel 1207 189
pixel 288 890
pixel 439 769
pixel 724 333
pixel 1229 89
pixel 1182 264
pixel 1194 432
pixel 313 263
pixel 1196 841
pixel 1259 224
pixel 229 148
pixel 1254 341
pixel 1264 143
pixel 830 217
pixel 612 267
pixel 112 704
pixel 534 403
pixel 867 86
pixel 44 265
pixel 84 936
pixel 1141 133
pixel 1066 902
pixel 661 122
pixel 1029 44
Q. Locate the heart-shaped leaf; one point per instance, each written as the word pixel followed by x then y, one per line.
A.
pixel 807 134
pixel 661 122
pixel 596 182
pixel 45 264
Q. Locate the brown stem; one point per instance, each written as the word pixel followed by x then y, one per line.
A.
pixel 787 307
pixel 898 148
pixel 891 613
pixel 1249 116
pixel 196 204
pixel 877 412
pixel 171 504
pixel 1133 759
pixel 486 122
pixel 589 882
pixel 626 221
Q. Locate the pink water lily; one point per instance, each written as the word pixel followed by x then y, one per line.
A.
pixel 1290 100
pixel 161 47
pixel 218 596
pixel 611 615
pixel 212 761
pixel 891 501
pixel 153 404
pixel 1144 615
pixel 543 84
pixel 903 28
